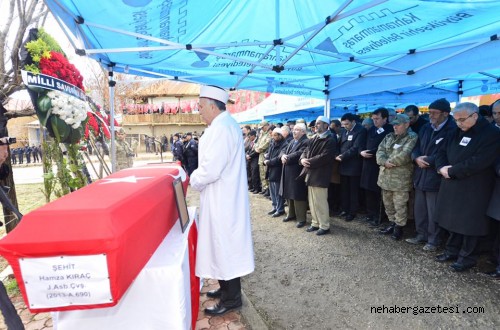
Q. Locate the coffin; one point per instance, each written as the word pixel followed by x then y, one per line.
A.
pixel 84 250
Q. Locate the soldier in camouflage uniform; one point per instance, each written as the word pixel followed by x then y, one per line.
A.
pixel 261 147
pixel 124 153
pixel 396 170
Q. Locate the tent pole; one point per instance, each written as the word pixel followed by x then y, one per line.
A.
pixel 112 84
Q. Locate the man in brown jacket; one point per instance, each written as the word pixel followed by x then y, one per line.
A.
pixel 317 160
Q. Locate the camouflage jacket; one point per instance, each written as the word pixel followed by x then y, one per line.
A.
pixel 397 150
pixel 124 155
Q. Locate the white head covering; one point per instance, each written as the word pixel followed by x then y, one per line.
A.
pixel 323 119
pixel 277 130
pixel 214 93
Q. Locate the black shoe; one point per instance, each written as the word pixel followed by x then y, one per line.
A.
pixel 375 223
pixel 301 224
pixel 257 191
pixel 445 257
pixel 278 214
pixel 271 212
pixel 397 233
pixel 214 293
pixel 323 232
pixel 251 190
pixel 343 214
pixel 288 219
pixel 349 217
pixel 219 309
pixel 494 274
pixel 459 267
pixel 265 191
pixel 267 194
pixel 387 230
pixel 311 228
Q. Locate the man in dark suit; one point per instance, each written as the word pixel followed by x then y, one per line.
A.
pixel 292 189
pixel 495 112
pixel 416 121
pixel 468 181
pixel 274 169
pixel 317 160
pixel 352 142
pixel 369 175
pixel 252 158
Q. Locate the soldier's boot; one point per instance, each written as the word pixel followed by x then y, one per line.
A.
pixel 387 230
pixel 398 233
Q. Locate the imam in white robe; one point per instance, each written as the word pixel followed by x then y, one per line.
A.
pixel 225 246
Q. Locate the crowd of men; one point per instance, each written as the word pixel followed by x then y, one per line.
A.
pixel 26 155
pixel 443 172
pixel 185 150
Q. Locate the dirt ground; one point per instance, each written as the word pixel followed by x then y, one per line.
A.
pixel 304 281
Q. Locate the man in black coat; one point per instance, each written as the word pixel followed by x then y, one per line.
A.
pixel 495 113
pixel 426 180
pixel 494 212
pixel 467 184
pixel 274 169
pixel 416 121
pixel 369 175
pixel 292 188
pixel 177 149
pixel 317 160
pixel 352 142
pixel 252 158
pixel 191 153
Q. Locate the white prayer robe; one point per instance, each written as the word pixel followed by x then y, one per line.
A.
pixel 225 246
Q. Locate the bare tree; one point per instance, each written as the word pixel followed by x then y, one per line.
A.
pixel 21 15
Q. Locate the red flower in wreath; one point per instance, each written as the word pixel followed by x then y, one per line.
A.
pixel 58 66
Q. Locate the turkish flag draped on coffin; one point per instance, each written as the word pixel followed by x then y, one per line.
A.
pixel 60 252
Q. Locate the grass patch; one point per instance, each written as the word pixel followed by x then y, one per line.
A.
pixel 29 196
pixel 12 287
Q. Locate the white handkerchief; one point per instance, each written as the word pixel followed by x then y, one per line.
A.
pixel 439 140
pixel 349 138
pixel 397 146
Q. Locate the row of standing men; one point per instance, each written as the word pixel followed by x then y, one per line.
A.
pixel 31 154
pixel 442 172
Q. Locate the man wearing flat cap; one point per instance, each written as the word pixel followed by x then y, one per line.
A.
pixel 426 180
pixel 225 247
pixel 317 160
pixel 396 170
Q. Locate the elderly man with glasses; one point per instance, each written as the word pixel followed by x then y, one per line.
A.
pixel 468 178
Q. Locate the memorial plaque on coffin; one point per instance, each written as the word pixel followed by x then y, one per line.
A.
pixel 84 249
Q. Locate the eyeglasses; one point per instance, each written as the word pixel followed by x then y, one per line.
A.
pixel 462 120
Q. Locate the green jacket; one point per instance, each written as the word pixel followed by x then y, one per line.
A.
pixel 397 150
pixel 124 155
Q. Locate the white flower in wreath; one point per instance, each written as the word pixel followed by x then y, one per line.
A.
pixel 69 108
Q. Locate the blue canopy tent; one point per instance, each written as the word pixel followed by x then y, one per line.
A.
pixel 336 50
